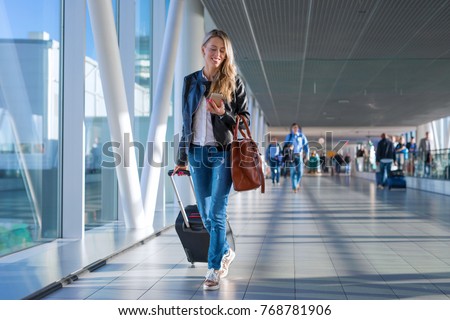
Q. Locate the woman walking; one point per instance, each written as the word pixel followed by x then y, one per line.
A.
pixel 206 140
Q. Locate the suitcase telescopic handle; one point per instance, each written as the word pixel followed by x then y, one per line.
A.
pixel 180 203
pixel 180 172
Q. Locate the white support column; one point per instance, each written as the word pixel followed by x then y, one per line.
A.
pixel 266 131
pixel 446 133
pixel 255 121
pixel 73 151
pixel 250 104
pixel 189 59
pixel 158 30
pixel 160 110
pixel 105 39
pixel 126 35
pixel 127 49
pixel 261 127
pixel 252 110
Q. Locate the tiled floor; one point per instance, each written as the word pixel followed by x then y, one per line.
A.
pixel 339 238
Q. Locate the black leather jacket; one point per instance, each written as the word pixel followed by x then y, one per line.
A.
pixel 194 88
pixel 385 150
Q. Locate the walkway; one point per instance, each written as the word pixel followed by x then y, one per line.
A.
pixel 339 238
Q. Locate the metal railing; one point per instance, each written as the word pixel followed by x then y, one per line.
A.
pixel 436 166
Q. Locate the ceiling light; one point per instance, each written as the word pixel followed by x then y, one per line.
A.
pixel 343 101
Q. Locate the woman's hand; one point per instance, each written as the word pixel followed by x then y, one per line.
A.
pixel 177 167
pixel 212 107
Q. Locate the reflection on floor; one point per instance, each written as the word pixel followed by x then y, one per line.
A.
pixel 338 238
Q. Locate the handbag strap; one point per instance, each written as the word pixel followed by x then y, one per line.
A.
pixel 246 135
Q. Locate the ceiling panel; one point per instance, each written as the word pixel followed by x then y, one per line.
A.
pixel 342 63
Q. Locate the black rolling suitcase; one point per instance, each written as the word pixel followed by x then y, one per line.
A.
pixel 190 229
pixel 396 180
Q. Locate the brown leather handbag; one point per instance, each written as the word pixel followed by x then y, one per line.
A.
pixel 246 164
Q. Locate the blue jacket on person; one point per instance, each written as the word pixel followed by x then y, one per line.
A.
pixel 194 88
pixel 299 141
pixel 273 152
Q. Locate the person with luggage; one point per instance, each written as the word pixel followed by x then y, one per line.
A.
pixel 206 141
pixel 298 146
pixel 385 156
pixel 273 157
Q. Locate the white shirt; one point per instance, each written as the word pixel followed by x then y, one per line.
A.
pixel 202 126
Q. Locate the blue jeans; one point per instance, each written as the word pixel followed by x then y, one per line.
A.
pixel 296 168
pixel 385 168
pixel 275 170
pixel 427 165
pixel 211 174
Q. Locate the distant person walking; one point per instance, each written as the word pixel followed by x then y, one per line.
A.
pixel 425 154
pixel 298 143
pixel 385 156
pixel 401 153
pixel 412 149
pixel 273 159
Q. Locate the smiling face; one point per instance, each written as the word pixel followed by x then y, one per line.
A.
pixel 214 53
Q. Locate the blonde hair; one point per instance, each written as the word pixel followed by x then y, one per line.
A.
pixel 225 80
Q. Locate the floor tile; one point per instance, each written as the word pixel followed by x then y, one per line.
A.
pixel 167 295
pixel 333 240
pixel 114 294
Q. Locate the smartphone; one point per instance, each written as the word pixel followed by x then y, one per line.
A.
pixel 217 97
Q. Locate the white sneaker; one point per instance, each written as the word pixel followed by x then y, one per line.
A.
pixel 212 280
pixel 227 259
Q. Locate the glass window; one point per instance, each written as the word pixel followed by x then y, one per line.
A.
pixel 144 81
pixel 100 183
pixel 29 123
pixel 143 72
